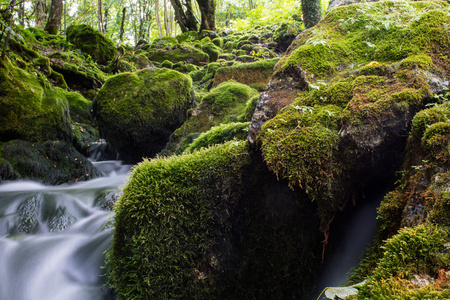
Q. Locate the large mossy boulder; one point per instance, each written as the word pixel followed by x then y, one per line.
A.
pixel 137 112
pixel 214 224
pixel 339 106
pixel 30 108
pixel 50 162
pixel 92 42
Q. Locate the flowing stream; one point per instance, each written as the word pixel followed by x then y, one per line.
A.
pixel 53 238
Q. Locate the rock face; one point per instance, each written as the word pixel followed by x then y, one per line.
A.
pixel 84 37
pixel 51 162
pixel 137 112
pixel 337 110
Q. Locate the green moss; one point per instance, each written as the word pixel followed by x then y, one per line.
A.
pixel 176 53
pixel 222 104
pixel 220 134
pixel 167 64
pixel 250 107
pixel 138 111
pixel 428 117
pixel 418 250
pixel 188 36
pixel 218 42
pixel 372 32
pixel 30 108
pixel 422 61
pixel 92 42
pixel 435 140
pixel 410 96
pixel 228 94
pixel 189 201
pixel 256 74
pixel 212 50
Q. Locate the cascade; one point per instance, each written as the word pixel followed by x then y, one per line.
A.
pixel 53 238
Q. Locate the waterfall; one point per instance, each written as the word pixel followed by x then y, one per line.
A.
pixel 357 232
pixel 53 238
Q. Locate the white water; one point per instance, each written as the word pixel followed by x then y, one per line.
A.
pixel 53 238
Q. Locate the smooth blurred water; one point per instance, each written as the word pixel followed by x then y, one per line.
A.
pixel 53 238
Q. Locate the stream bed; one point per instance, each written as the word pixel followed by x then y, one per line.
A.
pixel 53 238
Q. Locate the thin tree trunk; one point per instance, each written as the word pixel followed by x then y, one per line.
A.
pixel 311 12
pixel 22 14
pixel 171 19
pixel 9 31
pixel 65 16
pixel 105 21
pixel 122 25
pixel 100 17
pixel 166 18
pixel 39 9
pixel 54 17
pixel 158 19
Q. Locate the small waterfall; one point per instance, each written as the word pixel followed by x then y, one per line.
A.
pixel 53 238
pixel 358 232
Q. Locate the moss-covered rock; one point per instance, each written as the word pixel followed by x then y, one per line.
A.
pixel 92 42
pixel 223 104
pixel 213 224
pixel 219 135
pixel 336 113
pixel 30 108
pixel 162 50
pixel 137 112
pixel 256 74
pixel 212 50
pixel 50 162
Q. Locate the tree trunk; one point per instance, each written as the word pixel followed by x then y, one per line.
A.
pixel 158 20
pixel 124 12
pixel 22 14
pixel 54 17
pixel 105 21
pixel 311 12
pixel 39 10
pixel 185 16
pixel 100 17
pixel 208 11
pixel 251 5
pixel 2 57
